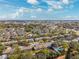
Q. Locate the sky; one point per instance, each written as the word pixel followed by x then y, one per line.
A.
pixel 39 9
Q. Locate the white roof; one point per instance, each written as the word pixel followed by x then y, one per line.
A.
pixel 3 57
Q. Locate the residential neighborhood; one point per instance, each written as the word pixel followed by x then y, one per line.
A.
pixel 39 40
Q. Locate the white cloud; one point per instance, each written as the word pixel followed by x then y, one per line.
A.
pixel 39 10
pixel 65 1
pixel 49 2
pixel 33 16
pixel 69 17
pixel 2 17
pixel 32 1
pixel 54 4
pixel 19 12
pixel 50 9
pixel 57 6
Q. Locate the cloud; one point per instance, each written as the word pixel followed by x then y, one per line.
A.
pixel 57 6
pixel 50 9
pixel 39 10
pixel 32 1
pixel 65 1
pixel 2 17
pixel 33 17
pixel 69 17
pixel 19 12
pixel 54 4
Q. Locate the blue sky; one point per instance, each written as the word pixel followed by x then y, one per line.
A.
pixel 39 9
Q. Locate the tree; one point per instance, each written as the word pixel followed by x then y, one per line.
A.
pixel 28 55
pixel 68 54
pixel 17 50
pixel 45 40
pixel 14 56
pixel 1 48
pixel 42 54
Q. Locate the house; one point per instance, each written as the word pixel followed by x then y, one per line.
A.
pixel 6 36
pixel 8 50
pixel 30 40
pixel 55 48
pixel 20 31
pixel 4 56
